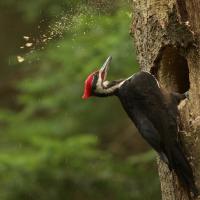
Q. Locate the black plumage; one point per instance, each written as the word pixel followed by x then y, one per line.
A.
pixel 155 114
pixel 153 111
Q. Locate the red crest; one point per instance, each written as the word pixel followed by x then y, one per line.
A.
pixel 88 86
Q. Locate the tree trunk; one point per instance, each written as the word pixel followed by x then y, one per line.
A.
pixel 167 41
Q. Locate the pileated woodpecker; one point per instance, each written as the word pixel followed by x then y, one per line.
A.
pixel 153 111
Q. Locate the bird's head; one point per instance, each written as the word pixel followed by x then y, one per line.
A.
pixel 95 84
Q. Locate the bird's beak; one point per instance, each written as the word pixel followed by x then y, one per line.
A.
pixel 104 69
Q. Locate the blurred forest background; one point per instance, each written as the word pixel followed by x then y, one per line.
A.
pixel 53 144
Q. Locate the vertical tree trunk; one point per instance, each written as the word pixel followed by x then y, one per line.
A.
pixel 167 40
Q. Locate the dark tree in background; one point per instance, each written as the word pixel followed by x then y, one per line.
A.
pixel 167 40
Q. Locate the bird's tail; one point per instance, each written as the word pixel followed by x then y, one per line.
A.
pixel 179 163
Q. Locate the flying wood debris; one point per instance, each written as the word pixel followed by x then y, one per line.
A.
pixel 20 59
pixel 56 30
pixel 29 44
pixel 26 38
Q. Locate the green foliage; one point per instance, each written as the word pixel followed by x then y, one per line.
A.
pixel 50 148
pixel 71 169
pixel 50 9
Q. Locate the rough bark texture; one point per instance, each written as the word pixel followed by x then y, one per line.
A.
pixel 167 39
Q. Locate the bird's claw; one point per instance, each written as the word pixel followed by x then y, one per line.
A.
pixel 187 95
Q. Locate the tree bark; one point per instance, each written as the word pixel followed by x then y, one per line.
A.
pixel 167 41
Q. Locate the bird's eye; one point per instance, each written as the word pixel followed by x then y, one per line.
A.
pixel 94 81
pixel 96 75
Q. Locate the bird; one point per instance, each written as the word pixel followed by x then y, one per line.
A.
pixel 153 110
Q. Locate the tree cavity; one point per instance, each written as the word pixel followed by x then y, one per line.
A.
pixel 171 70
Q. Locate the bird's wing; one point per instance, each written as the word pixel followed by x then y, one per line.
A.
pixel 147 130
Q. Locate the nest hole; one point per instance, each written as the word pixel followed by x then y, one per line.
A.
pixel 172 71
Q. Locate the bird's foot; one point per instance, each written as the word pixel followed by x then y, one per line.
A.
pixel 187 95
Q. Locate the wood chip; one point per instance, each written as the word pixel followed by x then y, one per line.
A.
pixel 20 59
